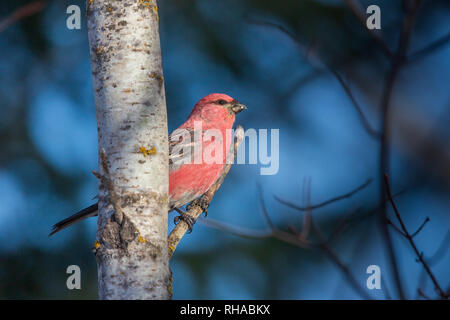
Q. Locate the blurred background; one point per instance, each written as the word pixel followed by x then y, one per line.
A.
pixel 276 57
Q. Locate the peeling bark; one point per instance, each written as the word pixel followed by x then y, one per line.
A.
pixel 131 248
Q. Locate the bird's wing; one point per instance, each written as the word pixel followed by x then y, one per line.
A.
pixel 182 146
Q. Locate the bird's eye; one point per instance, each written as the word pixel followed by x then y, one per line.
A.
pixel 221 102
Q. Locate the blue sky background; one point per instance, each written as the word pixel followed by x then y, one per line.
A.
pixel 49 146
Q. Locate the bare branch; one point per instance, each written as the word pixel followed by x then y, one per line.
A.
pixel 371 131
pixel 396 63
pixel 307 217
pixel 434 259
pixel 236 230
pixel 294 237
pixel 422 294
pixel 281 28
pixel 352 217
pixel 324 246
pixel 408 236
pixel 21 13
pixel 435 45
pixel 264 210
pixel 339 264
pixel 421 227
pixel 327 202
pixel 390 223
pixel 342 224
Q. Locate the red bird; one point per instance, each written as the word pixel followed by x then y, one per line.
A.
pixel 192 170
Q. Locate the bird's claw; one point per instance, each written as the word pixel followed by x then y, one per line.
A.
pixel 202 203
pixel 186 218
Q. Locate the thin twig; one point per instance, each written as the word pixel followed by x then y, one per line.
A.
pixel 295 238
pixel 326 248
pixel 339 264
pixel 307 216
pixel 238 231
pixel 372 132
pixel 438 255
pixel 264 210
pixel 435 45
pixel 408 236
pixel 349 218
pixel 396 63
pixel 341 225
pixel 422 294
pixel 196 209
pixel 21 13
pixel 327 202
pixel 281 28
pixel 421 227
pixel 367 126
pixel 390 223
pixel 277 233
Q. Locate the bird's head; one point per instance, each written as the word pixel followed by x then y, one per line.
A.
pixel 221 102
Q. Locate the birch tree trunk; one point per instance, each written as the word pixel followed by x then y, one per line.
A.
pixel 131 247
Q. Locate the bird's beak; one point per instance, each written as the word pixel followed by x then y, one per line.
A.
pixel 237 107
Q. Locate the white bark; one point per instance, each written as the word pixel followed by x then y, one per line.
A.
pixel 131 252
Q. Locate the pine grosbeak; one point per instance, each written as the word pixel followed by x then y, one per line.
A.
pixel 193 168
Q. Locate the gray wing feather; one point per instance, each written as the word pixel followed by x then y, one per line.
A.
pixel 181 148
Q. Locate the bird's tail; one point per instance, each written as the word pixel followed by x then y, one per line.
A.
pixel 90 211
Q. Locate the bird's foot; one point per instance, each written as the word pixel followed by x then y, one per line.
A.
pixel 186 218
pixel 201 202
